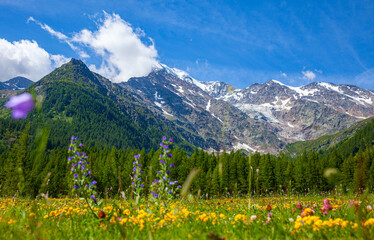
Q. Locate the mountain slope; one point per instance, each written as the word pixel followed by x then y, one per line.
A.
pixel 346 142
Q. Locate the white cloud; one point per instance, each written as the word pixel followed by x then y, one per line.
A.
pixel 26 58
pixel 283 74
pixel 123 53
pixel 60 36
pixel 309 75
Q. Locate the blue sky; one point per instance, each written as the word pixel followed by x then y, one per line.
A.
pixel 238 42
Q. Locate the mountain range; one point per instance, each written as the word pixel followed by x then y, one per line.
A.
pixel 17 83
pixel 210 115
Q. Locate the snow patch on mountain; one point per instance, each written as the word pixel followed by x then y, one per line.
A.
pixel 208 106
pixel 244 146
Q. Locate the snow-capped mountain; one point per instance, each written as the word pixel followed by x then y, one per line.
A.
pixel 292 113
pixel 299 113
pixel 182 99
pixel 16 83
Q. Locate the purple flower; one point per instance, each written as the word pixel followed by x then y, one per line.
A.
pixel 69 149
pixel 89 172
pixel 141 171
pixel 165 146
pixel 137 156
pixel 162 161
pixel 21 105
pixel 80 144
pixel 170 192
pixel 93 183
pixel 134 169
pixel 83 167
pixel 170 155
pixel 161 144
pixel 72 169
pixel 93 196
pixel 72 138
pixel 163 138
pixel 168 172
pixel 154 194
pixel 179 186
pixel 139 165
pixel 70 158
pixel 142 185
pixel 132 183
pixel 75 186
pixel 134 163
pixel 76 175
pixel 170 140
pixel 171 165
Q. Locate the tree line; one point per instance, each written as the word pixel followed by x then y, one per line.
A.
pixel 29 167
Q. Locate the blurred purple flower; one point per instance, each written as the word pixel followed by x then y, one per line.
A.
pixel 21 105
pixel 163 138
pixel 154 194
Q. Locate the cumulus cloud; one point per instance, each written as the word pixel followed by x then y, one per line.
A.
pixel 124 54
pixel 309 75
pixel 26 58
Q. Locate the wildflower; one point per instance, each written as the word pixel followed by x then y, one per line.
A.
pixel 299 205
pixel 101 214
pixel 253 217
pixel 269 207
pixel 170 140
pixel 163 138
pixel 155 194
pixel 21 105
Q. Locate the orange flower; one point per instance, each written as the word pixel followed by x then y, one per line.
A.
pixel 269 207
pixel 101 214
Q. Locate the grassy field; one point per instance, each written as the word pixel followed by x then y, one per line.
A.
pixel 345 217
